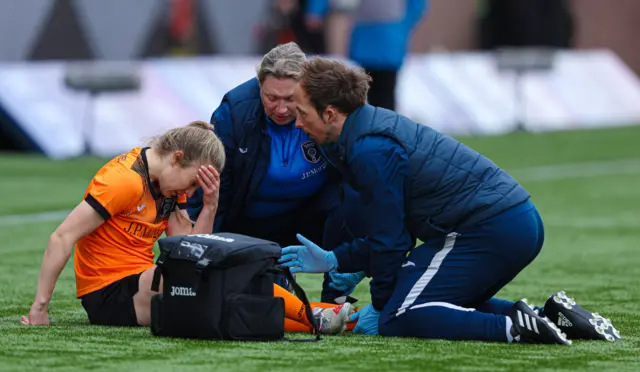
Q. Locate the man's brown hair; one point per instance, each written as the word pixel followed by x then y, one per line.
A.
pixel 332 83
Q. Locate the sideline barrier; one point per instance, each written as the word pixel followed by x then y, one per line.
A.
pixel 457 93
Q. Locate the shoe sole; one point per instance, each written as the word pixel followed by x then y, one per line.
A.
pixel 560 337
pixel 559 334
pixel 600 324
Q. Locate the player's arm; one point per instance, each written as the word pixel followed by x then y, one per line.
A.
pixel 223 127
pixel 102 202
pixel 179 223
pixel 80 222
pixel 381 169
pixel 205 221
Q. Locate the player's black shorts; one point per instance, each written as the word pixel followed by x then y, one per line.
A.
pixel 113 304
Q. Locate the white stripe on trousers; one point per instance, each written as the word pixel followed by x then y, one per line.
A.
pixel 431 271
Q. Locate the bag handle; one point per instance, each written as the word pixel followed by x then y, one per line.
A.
pixel 157 273
pixel 299 292
pixel 201 264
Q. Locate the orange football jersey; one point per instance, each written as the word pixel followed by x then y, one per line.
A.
pixel 135 217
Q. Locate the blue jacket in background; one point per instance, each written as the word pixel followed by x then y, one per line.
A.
pixel 381 31
pixel 240 123
pixel 418 183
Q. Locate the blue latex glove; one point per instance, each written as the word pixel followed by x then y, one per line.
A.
pixel 346 282
pixel 367 319
pixel 307 258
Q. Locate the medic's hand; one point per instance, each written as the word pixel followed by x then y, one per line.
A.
pixel 307 258
pixel 367 319
pixel 345 282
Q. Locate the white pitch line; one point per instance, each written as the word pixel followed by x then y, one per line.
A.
pixel 595 222
pixel 527 174
pixel 577 170
pixel 30 218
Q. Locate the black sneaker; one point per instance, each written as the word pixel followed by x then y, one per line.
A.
pixel 531 328
pixel 577 322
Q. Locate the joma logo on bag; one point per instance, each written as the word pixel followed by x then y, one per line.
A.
pixel 182 291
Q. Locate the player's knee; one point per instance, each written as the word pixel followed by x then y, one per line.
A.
pixel 142 299
pixel 145 281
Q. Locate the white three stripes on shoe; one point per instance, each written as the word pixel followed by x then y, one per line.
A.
pixel 527 322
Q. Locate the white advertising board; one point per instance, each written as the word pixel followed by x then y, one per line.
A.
pixel 456 93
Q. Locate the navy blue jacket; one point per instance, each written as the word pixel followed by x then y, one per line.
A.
pixel 419 183
pixel 240 124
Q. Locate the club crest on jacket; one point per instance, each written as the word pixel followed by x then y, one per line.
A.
pixel 311 152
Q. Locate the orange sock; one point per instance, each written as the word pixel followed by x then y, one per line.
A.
pixel 323 305
pixel 294 309
pixel 351 325
pixel 293 326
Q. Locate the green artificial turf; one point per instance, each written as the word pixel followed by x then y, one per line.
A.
pixel 591 209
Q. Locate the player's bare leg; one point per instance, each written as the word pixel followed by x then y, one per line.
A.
pixel 142 299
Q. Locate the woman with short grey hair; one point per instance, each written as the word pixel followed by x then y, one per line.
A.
pixel 281 62
pixel 276 183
